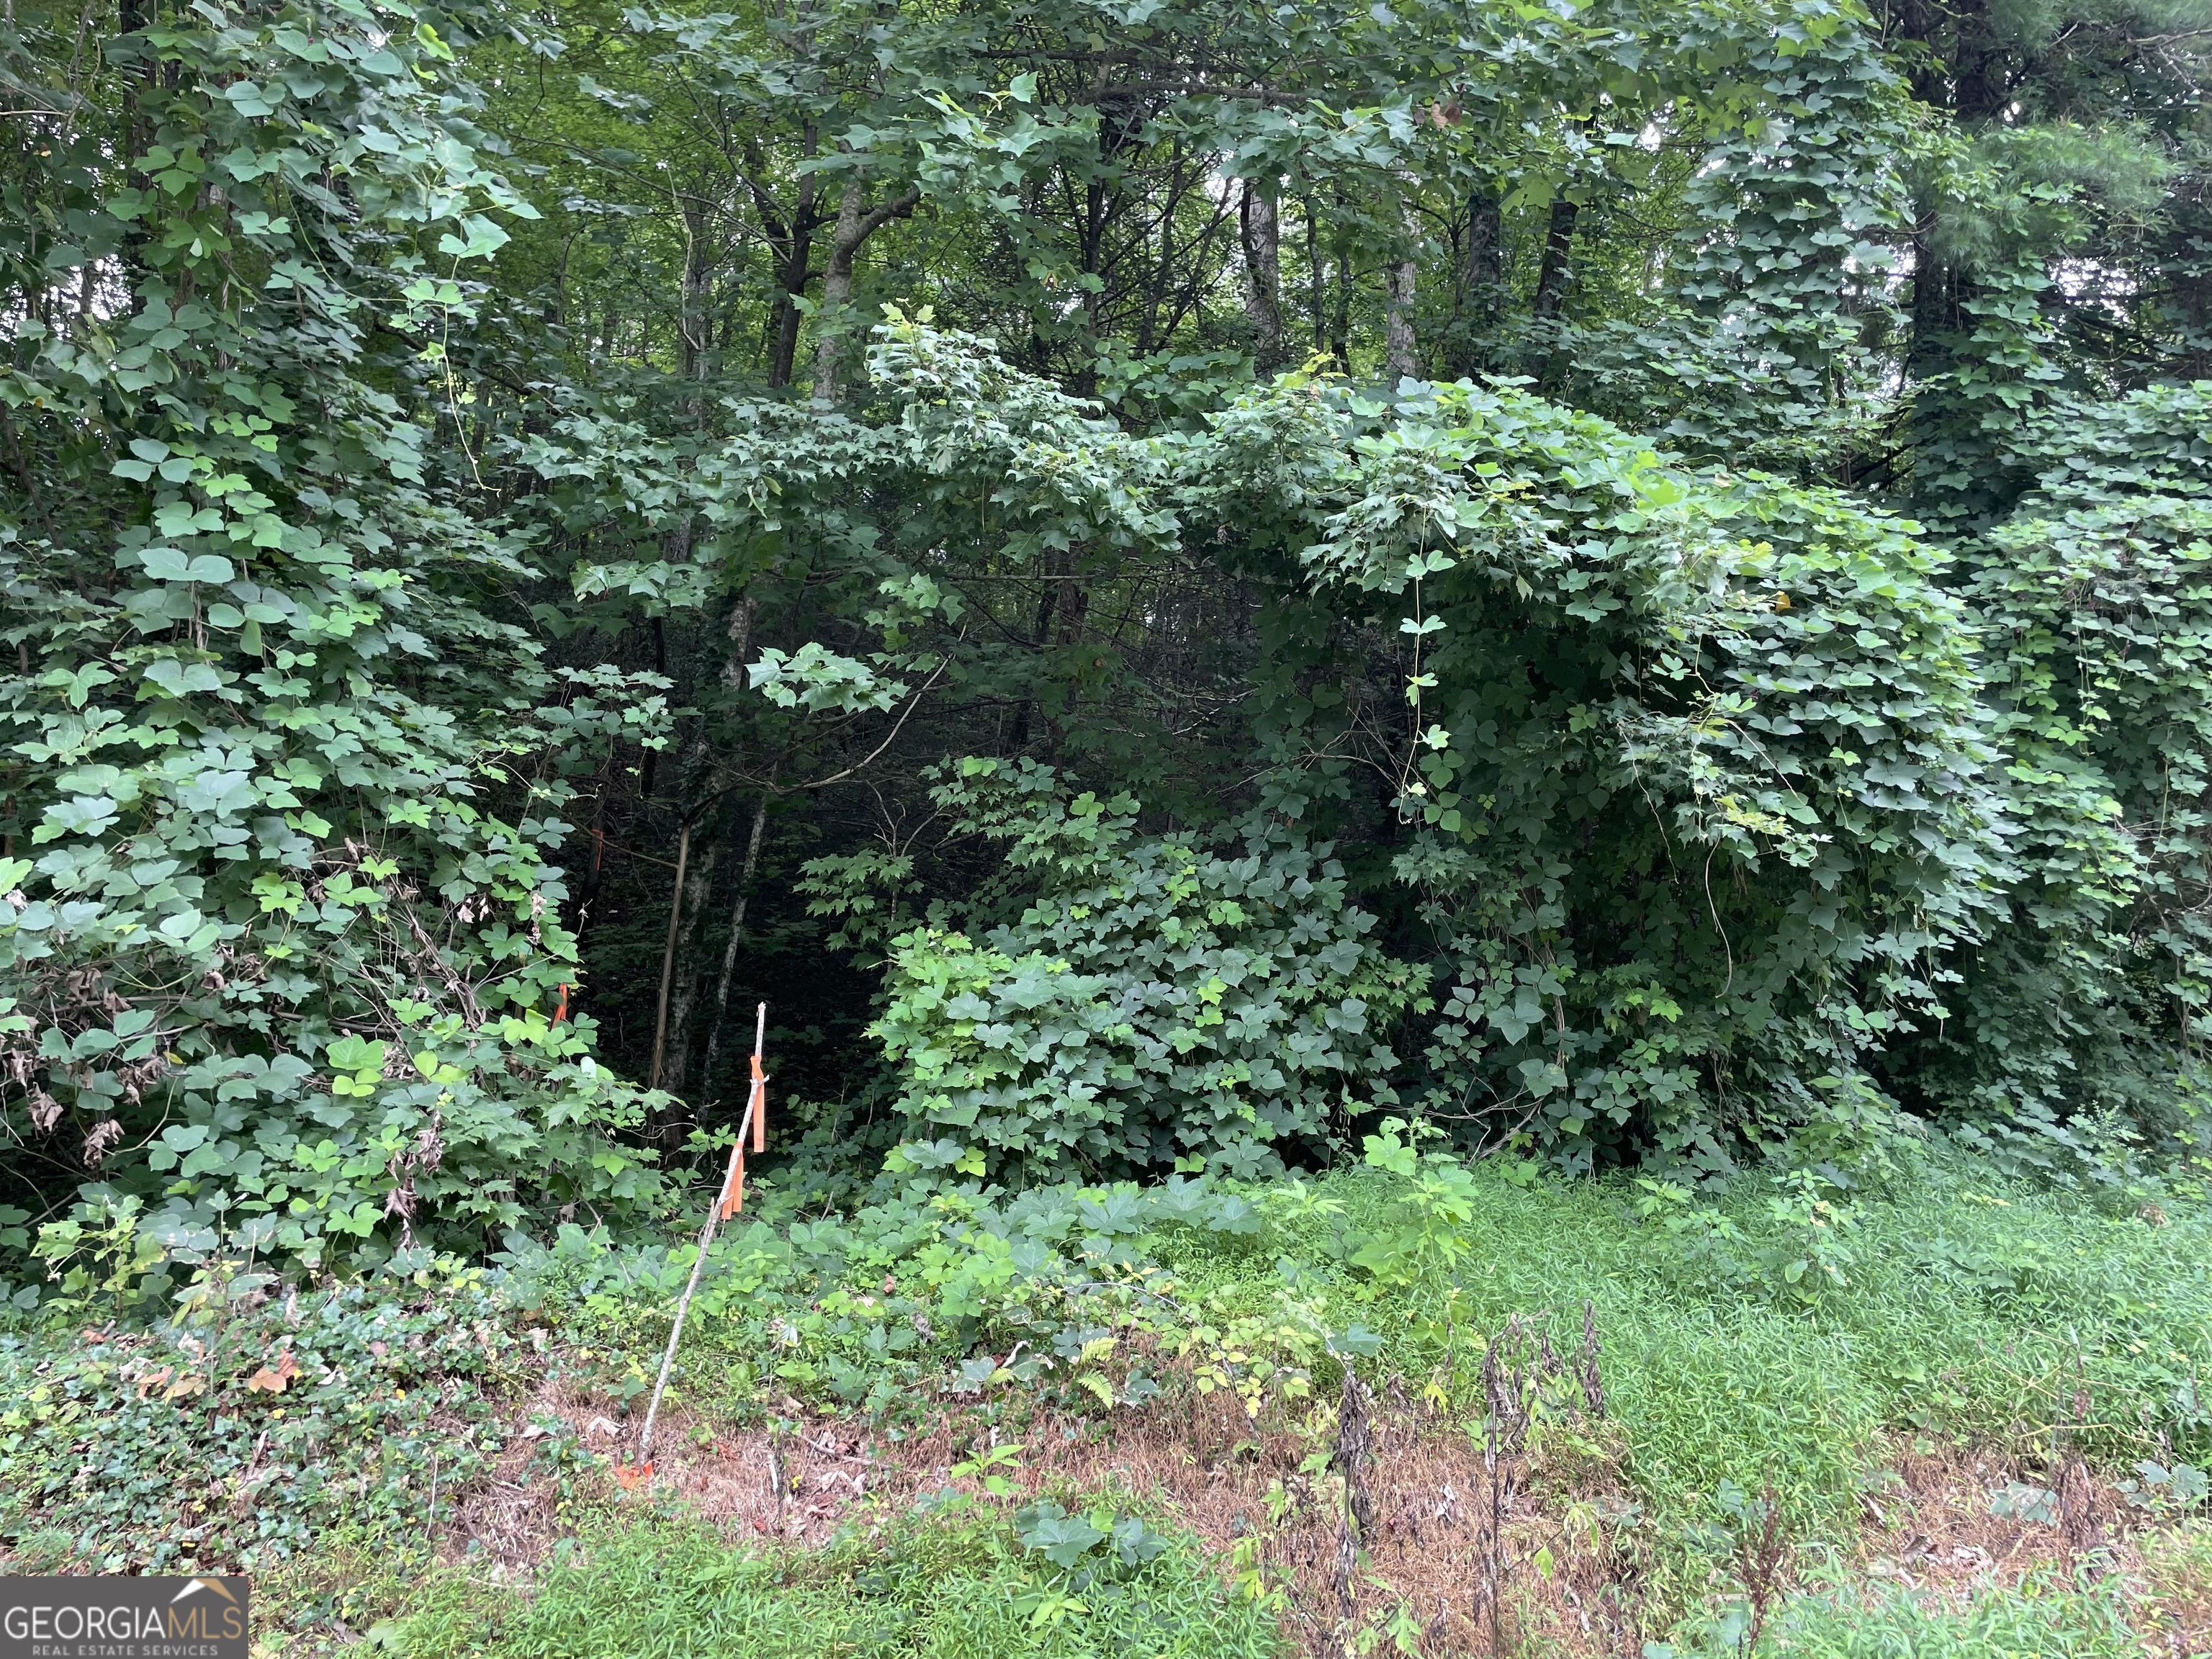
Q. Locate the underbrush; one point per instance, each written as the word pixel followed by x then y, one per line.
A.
pixel 1673 1364
pixel 1955 1307
pixel 245 1430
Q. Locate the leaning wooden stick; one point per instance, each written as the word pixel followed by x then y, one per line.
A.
pixel 727 1202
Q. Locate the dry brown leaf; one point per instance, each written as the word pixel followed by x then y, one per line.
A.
pixel 276 1379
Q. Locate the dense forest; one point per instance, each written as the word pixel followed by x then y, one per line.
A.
pixel 1633 579
pixel 1453 756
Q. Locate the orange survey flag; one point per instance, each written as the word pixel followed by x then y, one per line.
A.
pixel 760 1107
pixel 733 1184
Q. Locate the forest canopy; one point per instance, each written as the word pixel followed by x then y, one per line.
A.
pixel 1632 578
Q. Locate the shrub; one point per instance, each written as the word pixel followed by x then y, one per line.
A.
pixel 1150 1002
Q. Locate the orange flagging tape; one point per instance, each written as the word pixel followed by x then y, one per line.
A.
pixel 562 1013
pixel 733 1185
pixel 760 1107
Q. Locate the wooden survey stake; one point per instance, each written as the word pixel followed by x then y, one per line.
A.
pixel 752 1126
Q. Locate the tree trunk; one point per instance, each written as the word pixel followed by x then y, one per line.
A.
pixel 836 288
pixel 1095 203
pixel 1047 602
pixel 1261 232
pixel 794 278
pixel 1161 278
pixel 1402 359
pixel 1074 610
pixel 785 352
pixel 1316 279
pixel 1554 278
pixel 1340 322
pixel 729 945
pixel 854 227
pixel 1485 258
pixel 1479 297
pixel 1557 271
pixel 693 884
pixel 740 634
pixel 691 315
pixel 698 888
pixel 131 17
pixel 1975 92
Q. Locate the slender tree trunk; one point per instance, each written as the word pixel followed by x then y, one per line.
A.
pixel 130 16
pixel 698 888
pixel 1401 353
pixel 1074 610
pixel 1095 202
pixel 794 277
pixel 1047 602
pixel 1340 322
pixel 693 886
pixel 785 352
pixel 715 1026
pixel 855 224
pixel 1555 279
pixel 1486 250
pixel 837 287
pixel 691 314
pixel 1975 93
pixel 1261 232
pixel 1162 276
pixel 740 634
pixel 1935 315
pixel 1317 278
pixel 1401 358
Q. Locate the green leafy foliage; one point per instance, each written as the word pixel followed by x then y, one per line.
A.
pixel 255 1424
pixel 284 937
pixel 403 467
pixel 2094 598
pixel 1087 1302
pixel 526 530
pixel 1695 784
pixel 1759 353
pixel 1153 1000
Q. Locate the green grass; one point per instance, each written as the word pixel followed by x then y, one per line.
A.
pixel 951 1588
pixel 2045 1617
pixel 918 1587
pixel 1973 1314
